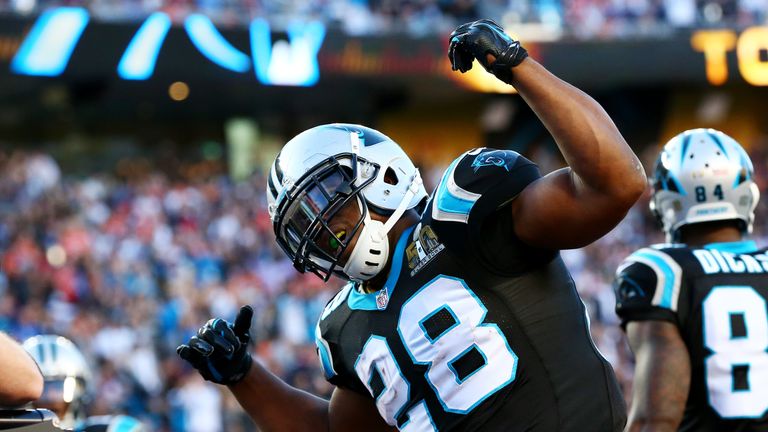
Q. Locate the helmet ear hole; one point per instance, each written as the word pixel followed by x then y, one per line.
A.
pixel 390 177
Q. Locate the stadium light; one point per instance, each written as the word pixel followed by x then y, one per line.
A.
pixel 212 44
pixel 139 59
pixel 49 45
pixel 178 91
pixel 287 63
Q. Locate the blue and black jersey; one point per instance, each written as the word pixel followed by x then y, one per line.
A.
pixel 717 297
pixel 473 330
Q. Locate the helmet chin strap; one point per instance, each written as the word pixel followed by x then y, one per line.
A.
pixel 371 252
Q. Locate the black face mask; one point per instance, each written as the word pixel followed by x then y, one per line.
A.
pixel 305 210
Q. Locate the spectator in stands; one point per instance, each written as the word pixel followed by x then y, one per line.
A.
pixel 580 18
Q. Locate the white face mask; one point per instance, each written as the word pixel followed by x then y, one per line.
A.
pixel 371 251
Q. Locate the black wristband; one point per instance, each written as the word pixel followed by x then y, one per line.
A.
pixel 511 57
pixel 245 366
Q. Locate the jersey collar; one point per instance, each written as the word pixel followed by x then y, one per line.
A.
pixel 739 247
pixel 358 300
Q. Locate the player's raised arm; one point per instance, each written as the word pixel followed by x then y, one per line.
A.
pixel 662 376
pixel 20 378
pixel 219 352
pixel 576 205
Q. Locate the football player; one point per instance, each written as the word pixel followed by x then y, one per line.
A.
pixel 67 386
pixel 459 314
pixel 695 311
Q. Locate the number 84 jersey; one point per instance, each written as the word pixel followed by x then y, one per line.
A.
pixel 717 296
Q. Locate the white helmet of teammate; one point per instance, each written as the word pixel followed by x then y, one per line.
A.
pixel 323 169
pixel 66 374
pixel 703 175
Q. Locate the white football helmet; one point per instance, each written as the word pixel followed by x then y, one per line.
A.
pixel 66 374
pixel 703 175
pixel 323 169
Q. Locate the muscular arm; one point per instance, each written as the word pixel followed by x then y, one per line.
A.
pixel 276 406
pixel 576 205
pixel 20 379
pixel 662 377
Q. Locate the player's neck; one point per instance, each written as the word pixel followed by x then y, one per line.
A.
pixel 699 236
pixel 408 219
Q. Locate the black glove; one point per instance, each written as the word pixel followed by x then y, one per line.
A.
pixel 220 350
pixel 476 39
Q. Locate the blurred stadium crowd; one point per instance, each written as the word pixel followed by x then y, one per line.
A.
pixel 577 18
pixel 129 267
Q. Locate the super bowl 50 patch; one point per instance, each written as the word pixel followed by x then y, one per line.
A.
pixel 423 249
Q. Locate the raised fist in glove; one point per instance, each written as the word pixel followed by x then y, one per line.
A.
pixel 477 39
pixel 220 350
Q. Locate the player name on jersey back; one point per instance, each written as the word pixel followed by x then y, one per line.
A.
pixel 717 297
pixel 715 261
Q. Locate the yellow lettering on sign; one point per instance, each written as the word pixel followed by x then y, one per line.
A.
pixel 751 42
pixel 715 44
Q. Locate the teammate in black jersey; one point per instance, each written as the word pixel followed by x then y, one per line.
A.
pixel 459 314
pixel 695 312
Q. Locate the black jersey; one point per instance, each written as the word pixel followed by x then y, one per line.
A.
pixel 473 329
pixel 716 296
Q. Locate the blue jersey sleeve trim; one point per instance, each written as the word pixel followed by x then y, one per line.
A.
pixel 448 202
pixel 324 353
pixel 668 276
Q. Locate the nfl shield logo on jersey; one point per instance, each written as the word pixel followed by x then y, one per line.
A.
pixel 382 299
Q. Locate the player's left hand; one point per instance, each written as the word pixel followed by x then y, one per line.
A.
pixel 477 39
pixel 220 350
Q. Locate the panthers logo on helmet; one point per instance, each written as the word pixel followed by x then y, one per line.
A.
pixel 368 136
pixel 500 158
